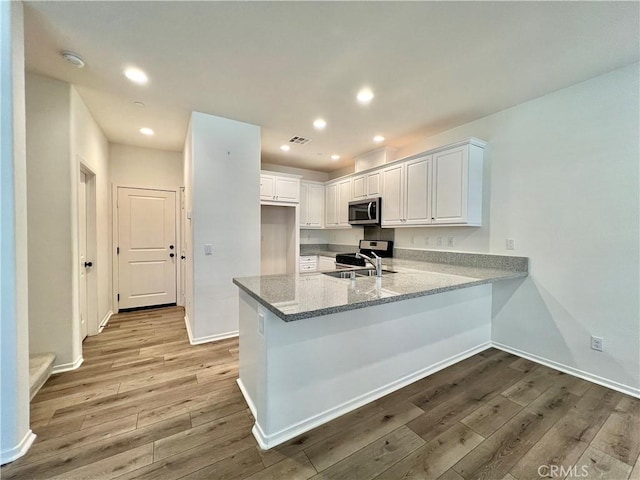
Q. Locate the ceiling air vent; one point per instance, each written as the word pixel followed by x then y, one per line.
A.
pixel 299 140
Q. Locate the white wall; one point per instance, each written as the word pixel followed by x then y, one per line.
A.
pixel 311 175
pixel 224 171
pixel 89 146
pixel 49 196
pixel 145 167
pixel 562 180
pixel 15 435
pixel 61 134
pixel 187 168
pixel 338 236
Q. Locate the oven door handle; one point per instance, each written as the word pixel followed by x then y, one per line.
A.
pixel 369 210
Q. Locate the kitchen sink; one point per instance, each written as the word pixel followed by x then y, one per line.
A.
pixel 365 272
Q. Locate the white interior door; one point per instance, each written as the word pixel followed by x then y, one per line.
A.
pixel 147 247
pixel 84 264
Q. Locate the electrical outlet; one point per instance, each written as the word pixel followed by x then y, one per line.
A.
pixel 450 241
pixel 413 239
pixel 439 241
pixel 597 343
pixel 511 244
pixel 426 240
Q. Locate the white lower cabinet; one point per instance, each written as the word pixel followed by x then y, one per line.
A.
pixel 308 263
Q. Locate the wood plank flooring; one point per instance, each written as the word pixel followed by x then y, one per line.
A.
pixel 147 405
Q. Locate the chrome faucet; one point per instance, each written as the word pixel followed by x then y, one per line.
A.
pixel 377 262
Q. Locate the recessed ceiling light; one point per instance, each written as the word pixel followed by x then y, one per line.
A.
pixel 319 124
pixel 138 104
pixel 73 58
pixel 378 138
pixel 285 148
pixel 335 157
pixel 146 131
pixel 365 95
pixel 136 75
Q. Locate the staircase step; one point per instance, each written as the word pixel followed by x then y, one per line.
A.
pixel 40 366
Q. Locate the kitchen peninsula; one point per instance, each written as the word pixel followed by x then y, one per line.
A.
pixel 314 347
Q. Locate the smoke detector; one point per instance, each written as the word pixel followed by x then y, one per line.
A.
pixel 73 58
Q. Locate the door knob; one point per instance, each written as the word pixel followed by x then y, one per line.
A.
pixel 172 255
pixel 171 247
pixel 88 264
pixel 182 257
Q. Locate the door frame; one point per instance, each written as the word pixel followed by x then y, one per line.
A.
pixel 93 322
pixel 116 234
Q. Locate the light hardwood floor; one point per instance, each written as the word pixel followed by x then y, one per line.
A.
pixel 147 405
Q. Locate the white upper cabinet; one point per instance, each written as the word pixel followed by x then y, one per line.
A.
pixel 417 191
pixel 457 186
pixel 337 198
pixel 267 187
pixel 393 195
pixel 367 185
pixel 442 188
pixel 344 197
pixel 311 205
pixel 330 201
pixel 406 193
pixel 279 188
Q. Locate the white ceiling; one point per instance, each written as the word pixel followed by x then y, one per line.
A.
pixel 280 65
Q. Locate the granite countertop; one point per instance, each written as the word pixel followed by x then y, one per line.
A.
pixel 297 296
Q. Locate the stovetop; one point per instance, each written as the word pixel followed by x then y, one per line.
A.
pixel 382 248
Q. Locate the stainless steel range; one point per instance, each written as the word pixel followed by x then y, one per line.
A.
pixel 382 248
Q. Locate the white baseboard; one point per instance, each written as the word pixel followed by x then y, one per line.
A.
pixel 66 367
pixel 19 450
pixel 247 398
pixel 104 321
pixel 590 377
pixel 269 441
pixel 209 338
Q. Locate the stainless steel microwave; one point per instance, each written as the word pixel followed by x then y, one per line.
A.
pixel 365 212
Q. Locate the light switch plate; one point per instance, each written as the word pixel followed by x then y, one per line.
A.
pixel 208 249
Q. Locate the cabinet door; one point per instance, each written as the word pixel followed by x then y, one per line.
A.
pixel 418 191
pixel 287 189
pixel 267 187
pixel 393 195
pixel 315 206
pixel 331 195
pixel 342 203
pixel 304 205
pixel 450 171
pixel 359 187
pixel 374 184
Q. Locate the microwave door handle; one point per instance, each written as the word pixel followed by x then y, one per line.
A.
pixel 369 210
